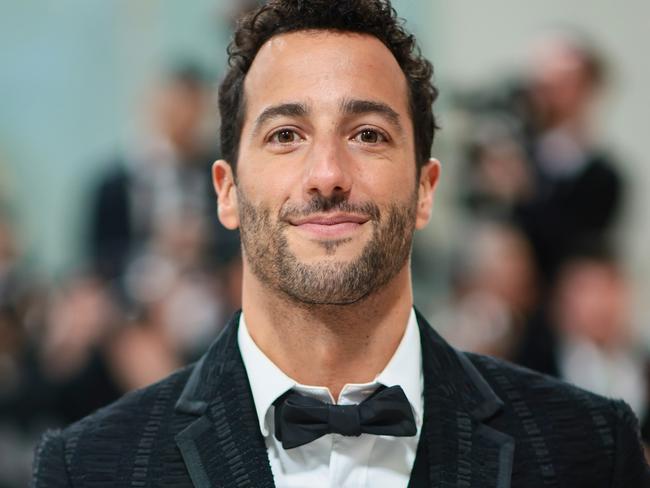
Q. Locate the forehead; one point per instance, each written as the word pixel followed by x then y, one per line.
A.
pixel 324 67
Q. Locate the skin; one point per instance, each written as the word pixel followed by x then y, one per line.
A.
pixel 564 90
pixel 326 151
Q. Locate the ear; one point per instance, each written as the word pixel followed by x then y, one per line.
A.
pixel 224 184
pixel 429 175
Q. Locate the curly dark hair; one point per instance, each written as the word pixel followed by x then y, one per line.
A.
pixel 373 17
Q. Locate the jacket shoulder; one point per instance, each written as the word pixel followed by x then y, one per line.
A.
pixel 514 383
pixel 566 428
pixel 101 444
pixel 136 406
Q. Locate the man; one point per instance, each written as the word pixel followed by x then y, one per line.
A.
pixel 577 191
pixel 328 377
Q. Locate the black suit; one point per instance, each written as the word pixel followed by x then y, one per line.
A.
pixel 486 424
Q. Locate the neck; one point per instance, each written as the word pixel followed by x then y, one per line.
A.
pixel 328 345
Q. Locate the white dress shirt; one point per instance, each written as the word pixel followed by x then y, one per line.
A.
pixel 333 460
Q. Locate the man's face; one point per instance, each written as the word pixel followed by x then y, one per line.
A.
pixel 326 195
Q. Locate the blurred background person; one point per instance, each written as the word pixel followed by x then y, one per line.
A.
pixel 586 335
pixel 578 189
pixel 165 172
pixel 532 159
pixel 494 292
pixel 172 285
pixel 532 155
pixel 154 237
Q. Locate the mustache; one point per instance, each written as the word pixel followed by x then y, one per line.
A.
pixel 322 204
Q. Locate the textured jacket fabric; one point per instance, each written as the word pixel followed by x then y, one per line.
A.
pixel 486 424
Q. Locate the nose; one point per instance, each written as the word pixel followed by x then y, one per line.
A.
pixel 327 172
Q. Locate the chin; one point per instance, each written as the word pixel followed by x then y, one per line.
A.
pixel 328 250
pixel 324 300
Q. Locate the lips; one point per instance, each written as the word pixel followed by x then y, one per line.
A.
pixel 338 225
pixel 335 219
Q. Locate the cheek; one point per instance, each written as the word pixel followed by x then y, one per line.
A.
pixel 394 183
pixel 268 187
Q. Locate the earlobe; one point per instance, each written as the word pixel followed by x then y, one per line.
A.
pixel 224 185
pixel 429 175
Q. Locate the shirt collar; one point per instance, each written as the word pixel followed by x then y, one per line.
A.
pixel 268 382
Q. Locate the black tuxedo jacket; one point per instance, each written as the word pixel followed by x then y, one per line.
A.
pixel 486 424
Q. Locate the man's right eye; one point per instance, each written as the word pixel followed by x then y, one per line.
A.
pixel 284 136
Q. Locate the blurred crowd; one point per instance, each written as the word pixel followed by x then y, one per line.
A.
pixel 160 277
pixel 537 279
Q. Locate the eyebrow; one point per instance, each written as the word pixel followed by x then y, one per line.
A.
pixel 348 107
pixel 360 107
pixel 281 110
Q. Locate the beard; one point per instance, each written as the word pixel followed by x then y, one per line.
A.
pixel 331 282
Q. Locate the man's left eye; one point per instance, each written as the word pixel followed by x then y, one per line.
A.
pixel 284 136
pixel 370 136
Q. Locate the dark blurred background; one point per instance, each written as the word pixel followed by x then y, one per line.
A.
pixel 114 269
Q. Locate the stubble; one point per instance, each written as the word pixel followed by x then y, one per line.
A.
pixel 330 282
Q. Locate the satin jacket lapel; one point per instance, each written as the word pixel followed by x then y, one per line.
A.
pixel 223 447
pixel 462 449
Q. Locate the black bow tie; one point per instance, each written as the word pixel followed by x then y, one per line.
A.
pixel 300 419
